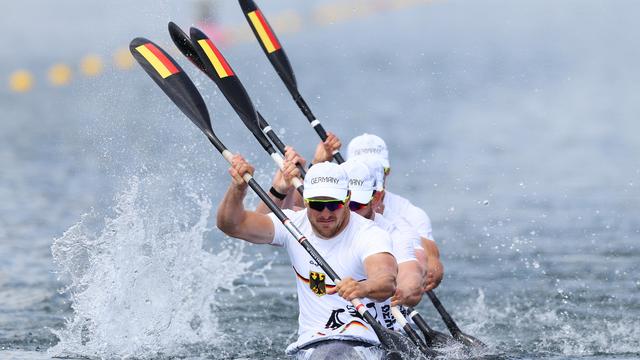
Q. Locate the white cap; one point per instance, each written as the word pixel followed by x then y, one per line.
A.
pixel 376 168
pixel 361 181
pixel 326 179
pixel 368 145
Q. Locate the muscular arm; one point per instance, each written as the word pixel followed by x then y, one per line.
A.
pixel 233 219
pixel 409 290
pixel 435 269
pixel 382 270
pixel 239 223
pixel 421 256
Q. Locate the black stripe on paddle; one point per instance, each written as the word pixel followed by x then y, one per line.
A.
pixel 186 47
pixel 281 64
pixel 179 88
pixel 198 49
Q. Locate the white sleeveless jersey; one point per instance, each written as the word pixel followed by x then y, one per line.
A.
pixel 325 316
pixel 395 206
pixel 403 240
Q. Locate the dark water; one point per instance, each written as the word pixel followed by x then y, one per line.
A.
pixel 514 124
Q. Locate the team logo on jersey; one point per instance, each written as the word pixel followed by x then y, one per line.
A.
pixel 316 283
pixel 334 321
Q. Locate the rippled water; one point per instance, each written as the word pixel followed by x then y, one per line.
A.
pixel 512 123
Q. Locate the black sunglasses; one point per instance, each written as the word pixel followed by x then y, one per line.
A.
pixel 319 205
pixel 355 206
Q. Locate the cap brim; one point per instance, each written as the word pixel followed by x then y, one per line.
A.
pixel 361 196
pixel 338 194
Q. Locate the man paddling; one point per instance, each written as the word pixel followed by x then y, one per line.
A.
pixel 396 207
pixel 371 148
pixel 357 250
pixel 364 199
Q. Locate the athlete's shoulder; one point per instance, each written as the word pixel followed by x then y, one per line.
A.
pixel 383 222
pixel 362 226
pixel 401 203
pixel 395 201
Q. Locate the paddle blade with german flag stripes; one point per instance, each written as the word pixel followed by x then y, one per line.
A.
pixel 218 69
pixel 269 43
pixel 173 81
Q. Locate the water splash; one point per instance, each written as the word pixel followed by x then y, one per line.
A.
pixel 548 326
pixel 141 285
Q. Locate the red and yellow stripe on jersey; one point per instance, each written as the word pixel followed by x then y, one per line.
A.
pixel 217 60
pixel 353 323
pixel 267 37
pixel 157 59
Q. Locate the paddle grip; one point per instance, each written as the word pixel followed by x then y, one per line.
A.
pixel 297 183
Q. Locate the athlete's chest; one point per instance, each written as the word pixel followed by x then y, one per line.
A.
pixel 340 256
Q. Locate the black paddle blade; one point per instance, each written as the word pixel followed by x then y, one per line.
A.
pixel 469 340
pixel 432 337
pixel 219 70
pixel 173 81
pixel 400 347
pixel 269 43
pixel 437 338
pixel 184 44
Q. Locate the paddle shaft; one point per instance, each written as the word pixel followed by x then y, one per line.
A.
pixel 420 321
pixel 455 331
pixel 451 325
pixel 233 91
pixel 432 337
pixel 412 334
pixel 268 130
pixel 315 123
pixel 278 58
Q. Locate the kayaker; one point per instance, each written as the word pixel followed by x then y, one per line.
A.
pixel 357 250
pixel 364 199
pixel 396 206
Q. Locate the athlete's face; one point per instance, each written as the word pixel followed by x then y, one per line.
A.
pixel 366 211
pixel 325 222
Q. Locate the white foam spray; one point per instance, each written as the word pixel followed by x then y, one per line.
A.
pixel 142 286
